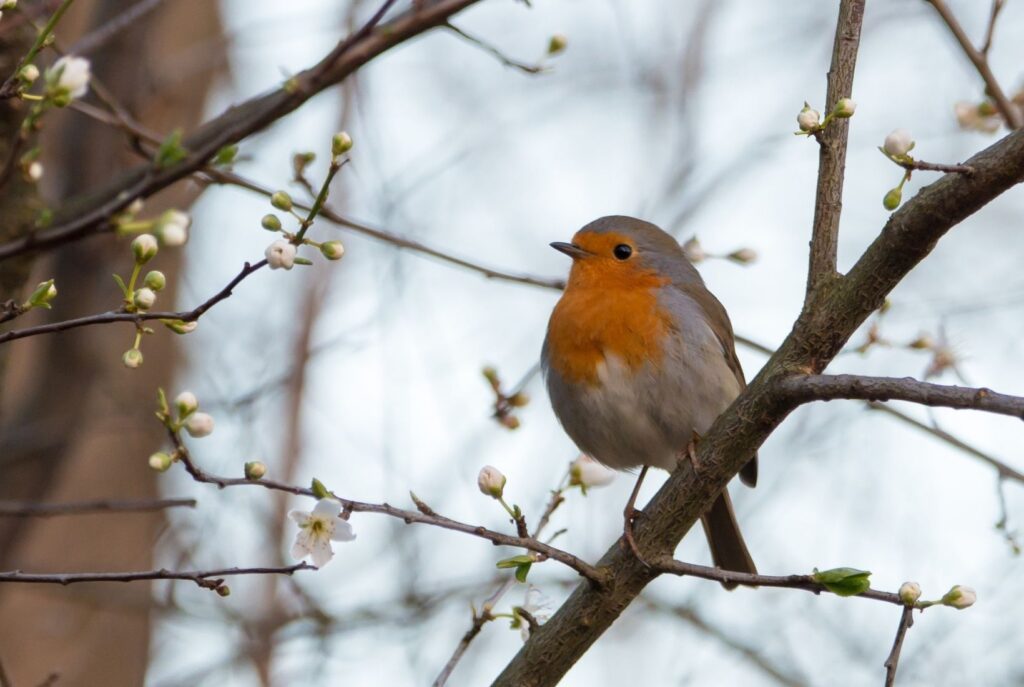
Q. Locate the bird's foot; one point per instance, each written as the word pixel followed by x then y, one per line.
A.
pixel 629 516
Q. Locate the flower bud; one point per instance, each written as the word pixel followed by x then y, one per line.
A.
pixel 180 326
pixel 491 482
pixel 186 403
pixel 923 342
pixel 255 470
pixel 557 44
pixel 29 73
pixel 280 255
pixel 518 400
pixel 160 461
pixel 910 592
pixel 34 171
pixel 271 222
pixel 693 251
pixel 144 298
pixel 808 119
pixel 586 472
pixel 42 295
pixel 960 597
pixel 898 143
pixel 67 79
pixel 155 280
pixel 199 425
pixel 132 358
pixel 844 108
pixel 281 201
pixel 509 422
pixel 341 143
pixel 892 199
pixel 172 228
pixel 744 256
pixel 332 250
pixel 144 248
pixel 223 590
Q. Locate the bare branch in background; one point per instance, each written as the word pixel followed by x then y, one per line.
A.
pixel 34 509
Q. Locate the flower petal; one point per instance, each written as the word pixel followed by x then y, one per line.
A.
pixel 342 531
pixel 321 551
pixel 328 508
pixel 299 516
pixel 300 547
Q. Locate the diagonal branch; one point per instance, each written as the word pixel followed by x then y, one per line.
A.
pixel 804 389
pixel 1011 115
pixel 91 215
pixel 906 622
pixel 828 203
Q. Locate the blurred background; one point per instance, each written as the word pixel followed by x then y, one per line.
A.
pixel 366 373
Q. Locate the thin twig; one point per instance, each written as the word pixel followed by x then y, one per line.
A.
pixel 997 7
pixel 491 50
pixel 906 622
pixel 207 579
pixel 934 167
pixel 136 317
pixel 101 35
pixel 832 149
pixel 1011 115
pixel 479 620
pixel 544 551
pixel 31 509
pixel 807 388
pixel 667 564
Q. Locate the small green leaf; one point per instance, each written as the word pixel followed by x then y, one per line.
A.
pixel 843 581
pixel 515 561
pixel 120 283
pixel 226 155
pixel 171 150
pixel 161 399
pixel 522 571
pixel 319 490
pixel 303 261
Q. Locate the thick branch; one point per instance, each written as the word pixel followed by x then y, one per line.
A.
pixel 828 203
pixel 92 215
pixel 819 334
pixel 1011 115
pixel 804 389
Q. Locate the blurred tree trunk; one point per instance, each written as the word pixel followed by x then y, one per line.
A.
pixel 79 425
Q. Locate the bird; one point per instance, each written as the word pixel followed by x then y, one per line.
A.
pixel 639 360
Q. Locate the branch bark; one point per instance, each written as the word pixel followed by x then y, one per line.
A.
pixel 809 388
pixel 832 142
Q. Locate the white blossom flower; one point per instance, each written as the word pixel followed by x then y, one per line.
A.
pixel 199 425
pixel 536 604
pixel 280 254
pixel 586 472
pixel 172 228
pixel 910 592
pixel 491 482
pixel 186 403
pixel 960 597
pixel 70 75
pixel 35 170
pixel 808 118
pixel 318 529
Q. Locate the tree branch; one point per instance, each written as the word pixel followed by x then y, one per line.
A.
pixel 207 579
pixel 137 317
pixel 1011 115
pixel 33 509
pixel 92 215
pixel 828 204
pixel 906 622
pixel 804 389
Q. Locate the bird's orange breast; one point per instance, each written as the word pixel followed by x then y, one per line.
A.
pixel 606 312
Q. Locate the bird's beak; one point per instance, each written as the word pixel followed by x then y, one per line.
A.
pixel 570 249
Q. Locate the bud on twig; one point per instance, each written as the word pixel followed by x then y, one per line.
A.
pixel 910 592
pixel 199 425
pixel 960 597
pixel 132 358
pixel 155 280
pixel 332 250
pixel 341 143
pixel 282 201
pixel 271 222
pixel 186 403
pixel 160 461
pixel 491 482
pixel 255 470
pixel 557 44
pixel 144 248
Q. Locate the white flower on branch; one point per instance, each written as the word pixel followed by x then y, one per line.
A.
pixel 280 255
pixel 172 228
pixel 491 482
pixel 199 425
pixel 898 143
pixel 536 604
pixel 585 472
pixel 318 529
pixel 68 78
pixel 34 171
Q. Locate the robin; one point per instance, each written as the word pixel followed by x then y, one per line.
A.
pixel 639 361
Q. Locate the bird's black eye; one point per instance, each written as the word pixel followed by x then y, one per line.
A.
pixel 622 251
